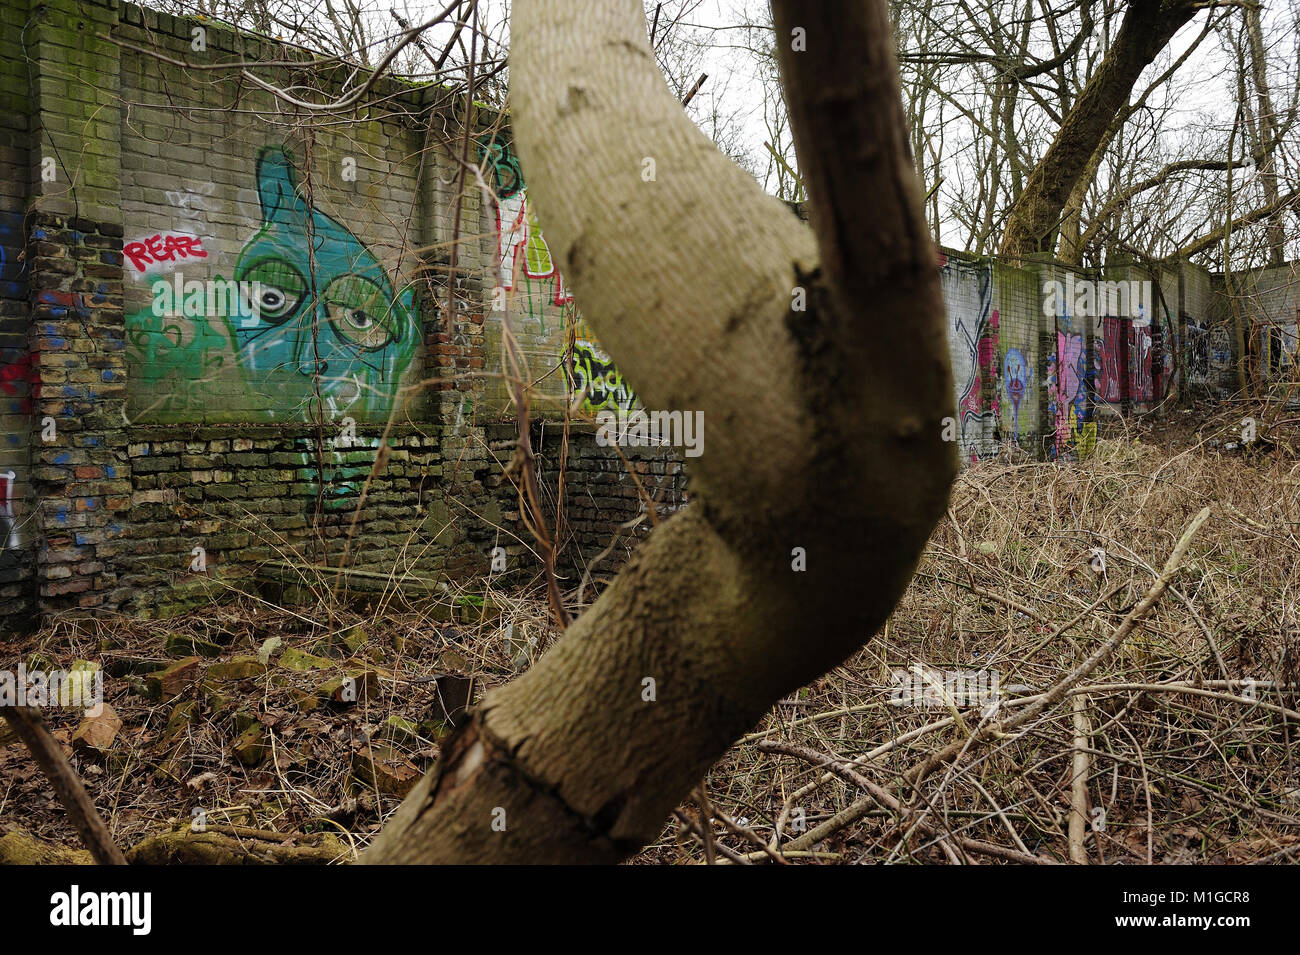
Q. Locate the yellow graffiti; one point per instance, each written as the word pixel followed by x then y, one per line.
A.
pixel 537 254
pixel 1085 435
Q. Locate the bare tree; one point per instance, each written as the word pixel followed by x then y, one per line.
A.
pixel 362 32
pixel 1076 116
pixel 1148 26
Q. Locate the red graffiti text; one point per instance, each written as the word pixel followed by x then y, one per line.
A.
pixel 164 247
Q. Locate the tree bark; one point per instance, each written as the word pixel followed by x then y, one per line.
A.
pixel 1267 139
pixel 1036 214
pixel 824 428
pixel 29 725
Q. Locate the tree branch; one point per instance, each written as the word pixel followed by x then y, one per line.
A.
pixel 1216 234
pixel 31 729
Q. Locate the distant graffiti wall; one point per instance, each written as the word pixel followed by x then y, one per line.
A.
pixel 534 297
pixel 1041 353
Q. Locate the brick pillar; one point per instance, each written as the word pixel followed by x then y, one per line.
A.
pixel 80 471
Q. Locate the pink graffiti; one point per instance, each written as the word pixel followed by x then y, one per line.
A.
pixel 23 372
pixel 1069 348
pixel 1124 361
pixel 1109 358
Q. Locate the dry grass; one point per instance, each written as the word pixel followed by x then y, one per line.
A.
pixel 1187 733
pixel 1191 725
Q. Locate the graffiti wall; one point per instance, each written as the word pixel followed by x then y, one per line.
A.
pixel 533 294
pixel 1041 354
pixel 1209 356
pixel 1019 365
pixel 20 384
pixel 300 312
pixel 1125 366
pixel 1270 302
pixel 973 346
pixel 1071 404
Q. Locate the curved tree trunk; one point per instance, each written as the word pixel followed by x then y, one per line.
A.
pixel 1035 216
pixel 824 425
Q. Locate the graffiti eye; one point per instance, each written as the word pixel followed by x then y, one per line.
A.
pixel 272 288
pixel 361 312
pixel 362 328
pixel 272 300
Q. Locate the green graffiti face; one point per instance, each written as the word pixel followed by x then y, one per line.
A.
pixel 347 334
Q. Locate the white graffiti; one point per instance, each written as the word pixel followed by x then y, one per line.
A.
pixel 512 234
pixel 8 522
pixel 193 203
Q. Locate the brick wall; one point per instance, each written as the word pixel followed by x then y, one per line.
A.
pixel 268 495
pixel 19 375
pixel 225 333
pixel 605 494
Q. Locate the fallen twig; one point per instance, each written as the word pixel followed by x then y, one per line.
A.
pixel 879 795
pixel 1060 691
pixel 31 729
